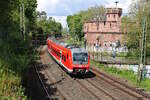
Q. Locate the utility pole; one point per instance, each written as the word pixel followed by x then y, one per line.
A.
pixel 22 21
pixel 141 67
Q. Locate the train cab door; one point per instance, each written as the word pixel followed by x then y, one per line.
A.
pixel 60 56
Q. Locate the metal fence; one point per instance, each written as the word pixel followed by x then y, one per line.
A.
pixel 115 60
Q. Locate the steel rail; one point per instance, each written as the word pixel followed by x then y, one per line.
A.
pixel 42 83
pixel 82 85
pixel 107 94
pixel 100 74
pixel 49 65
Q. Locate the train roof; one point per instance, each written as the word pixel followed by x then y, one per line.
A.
pixel 73 47
pixel 66 45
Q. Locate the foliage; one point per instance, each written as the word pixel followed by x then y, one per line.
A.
pixel 130 76
pixel 65 30
pixel 75 26
pixel 132 24
pixel 15 55
pixel 47 26
pixel 96 13
pixel 72 41
pixel 13 61
pixel 76 22
pixel 10 85
pixel 30 13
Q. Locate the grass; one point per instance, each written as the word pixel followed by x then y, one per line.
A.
pixel 125 74
pixel 121 54
pixel 10 87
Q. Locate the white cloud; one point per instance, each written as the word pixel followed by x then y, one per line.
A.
pixel 61 8
pixel 61 19
pixel 47 5
pixel 67 7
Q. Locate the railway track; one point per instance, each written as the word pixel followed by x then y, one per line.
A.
pixel 98 75
pixel 94 83
pixel 121 86
pixel 106 93
pixel 52 81
pixel 42 83
pixel 84 87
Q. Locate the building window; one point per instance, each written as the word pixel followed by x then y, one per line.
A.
pixel 110 44
pixel 104 23
pixel 94 44
pixel 97 27
pixel 110 24
pixel 114 15
pixel 105 44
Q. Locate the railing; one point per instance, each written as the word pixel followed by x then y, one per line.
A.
pixel 99 57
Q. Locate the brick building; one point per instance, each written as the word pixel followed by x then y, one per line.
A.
pixel 105 33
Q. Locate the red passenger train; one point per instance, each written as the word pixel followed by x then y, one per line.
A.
pixel 72 58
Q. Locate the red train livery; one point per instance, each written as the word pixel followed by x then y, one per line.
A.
pixel 71 57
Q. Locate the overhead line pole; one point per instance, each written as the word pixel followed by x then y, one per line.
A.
pixel 141 67
pixel 24 32
pixel 22 21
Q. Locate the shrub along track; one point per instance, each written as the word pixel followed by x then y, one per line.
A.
pixel 89 87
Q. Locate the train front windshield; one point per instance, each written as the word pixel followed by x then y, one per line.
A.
pixel 80 58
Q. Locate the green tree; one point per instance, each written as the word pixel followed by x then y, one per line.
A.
pixel 65 30
pixel 48 25
pixel 133 23
pixel 15 53
pixel 7 10
pixel 75 24
pixel 30 13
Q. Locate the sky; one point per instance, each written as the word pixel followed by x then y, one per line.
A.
pixel 59 9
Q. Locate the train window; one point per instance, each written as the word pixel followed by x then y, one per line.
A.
pixel 58 54
pixel 55 52
pixel 64 58
pixel 80 58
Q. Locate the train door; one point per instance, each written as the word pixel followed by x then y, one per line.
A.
pixel 60 56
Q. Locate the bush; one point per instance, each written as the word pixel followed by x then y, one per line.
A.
pixel 14 59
